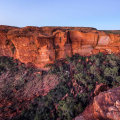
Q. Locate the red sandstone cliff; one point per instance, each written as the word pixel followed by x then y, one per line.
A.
pixel 42 45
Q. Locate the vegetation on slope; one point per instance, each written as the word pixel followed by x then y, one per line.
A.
pixel 15 78
pixel 78 76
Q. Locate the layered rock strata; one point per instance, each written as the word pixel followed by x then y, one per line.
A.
pixel 43 45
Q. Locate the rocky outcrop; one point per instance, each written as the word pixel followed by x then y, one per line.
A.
pixel 43 45
pixel 105 106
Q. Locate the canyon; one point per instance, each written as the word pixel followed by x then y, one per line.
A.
pixel 44 45
pixel 84 78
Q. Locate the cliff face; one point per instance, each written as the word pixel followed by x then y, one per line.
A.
pixel 42 45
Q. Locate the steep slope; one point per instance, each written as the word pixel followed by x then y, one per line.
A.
pixel 63 92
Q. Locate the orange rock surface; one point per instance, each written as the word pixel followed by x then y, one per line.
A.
pixel 43 45
pixel 105 106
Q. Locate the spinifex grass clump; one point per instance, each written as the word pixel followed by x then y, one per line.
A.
pixel 78 76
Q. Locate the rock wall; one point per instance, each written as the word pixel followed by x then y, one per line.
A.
pixel 43 45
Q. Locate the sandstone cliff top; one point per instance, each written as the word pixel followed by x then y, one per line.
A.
pixel 47 30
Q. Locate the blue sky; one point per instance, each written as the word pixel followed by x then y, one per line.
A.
pixel 101 14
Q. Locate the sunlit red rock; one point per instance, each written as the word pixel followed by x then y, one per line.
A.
pixel 43 45
pixel 105 106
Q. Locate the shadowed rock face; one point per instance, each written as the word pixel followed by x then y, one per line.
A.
pixel 43 45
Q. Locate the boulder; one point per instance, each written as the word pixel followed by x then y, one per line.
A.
pixel 107 105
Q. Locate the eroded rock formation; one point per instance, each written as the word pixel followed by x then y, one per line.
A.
pixel 42 45
pixel 105 106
